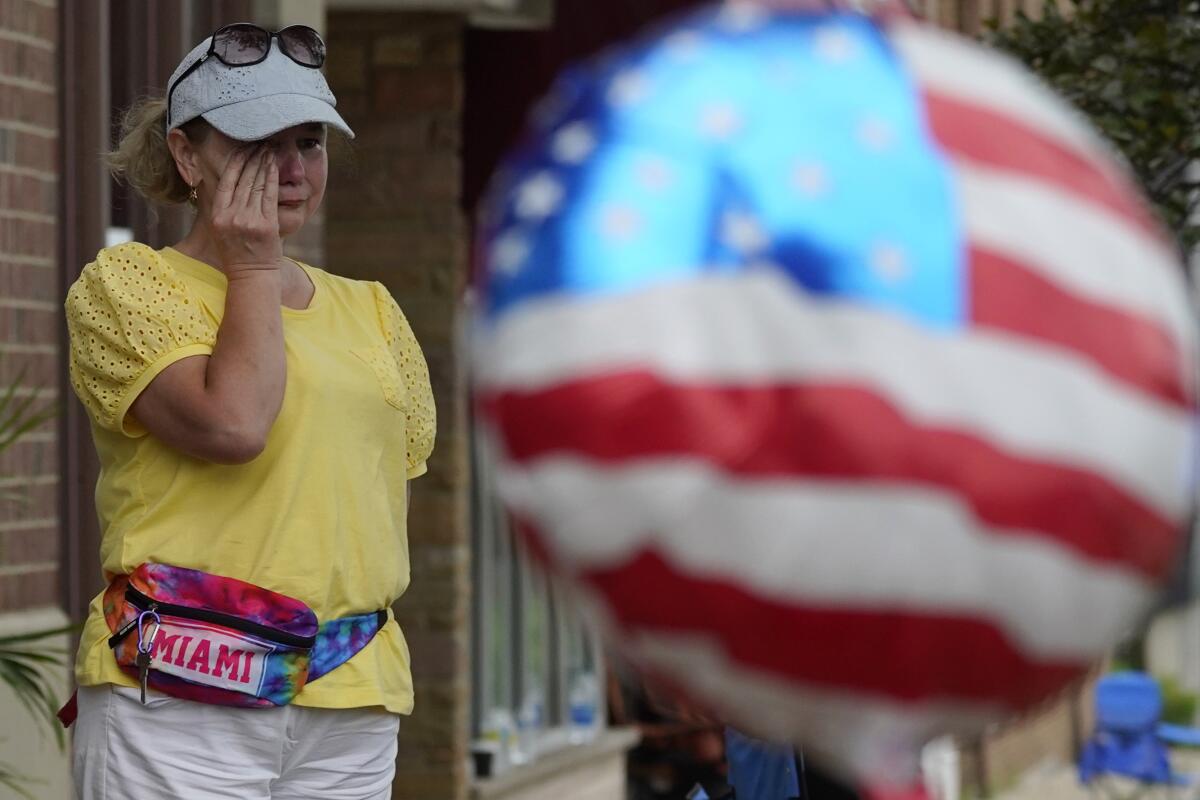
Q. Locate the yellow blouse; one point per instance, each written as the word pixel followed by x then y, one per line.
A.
pixel 320 515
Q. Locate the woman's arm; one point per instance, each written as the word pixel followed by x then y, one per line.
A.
pixel 221 407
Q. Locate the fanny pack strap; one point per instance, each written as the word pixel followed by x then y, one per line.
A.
pixel 339 639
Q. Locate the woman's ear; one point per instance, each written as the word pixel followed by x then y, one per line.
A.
pixel 187 159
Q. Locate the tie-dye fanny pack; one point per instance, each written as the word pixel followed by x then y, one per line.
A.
pixel 223 641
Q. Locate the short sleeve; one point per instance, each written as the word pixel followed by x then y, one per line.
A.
pixel 129 317
pixel 420 412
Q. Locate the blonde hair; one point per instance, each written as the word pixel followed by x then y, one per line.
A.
pixel 142 159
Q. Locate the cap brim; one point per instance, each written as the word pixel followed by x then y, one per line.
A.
pixel 260 117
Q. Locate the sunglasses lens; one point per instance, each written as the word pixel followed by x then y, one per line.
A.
pixel 303 44
pixel 241 44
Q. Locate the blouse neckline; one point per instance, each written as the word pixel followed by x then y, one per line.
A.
pixel 209 274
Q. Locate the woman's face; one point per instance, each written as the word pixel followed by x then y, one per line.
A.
pixel 303 165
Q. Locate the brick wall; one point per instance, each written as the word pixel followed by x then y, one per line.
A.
pixel 393 214
pixel 29 302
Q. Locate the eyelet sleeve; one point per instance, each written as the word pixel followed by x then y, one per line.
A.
pixel 419 410
pixel 129 317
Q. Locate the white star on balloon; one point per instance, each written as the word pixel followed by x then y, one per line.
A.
pixel 744 233
pixel 811 180
pixel 509 253
pixel 654 174
pixel 889 262
pixel 684 45
pixel 628 89
pixel 620 223
pixel 742 16
pixel 574 143
pixel 539 197
pixel 876 134
pixel 720 121
pixel 835 44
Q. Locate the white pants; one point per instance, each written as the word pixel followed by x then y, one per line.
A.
pixel 173 748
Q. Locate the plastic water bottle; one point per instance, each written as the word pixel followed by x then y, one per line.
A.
pixel 584 701
pixel 530 723
pixel 500 732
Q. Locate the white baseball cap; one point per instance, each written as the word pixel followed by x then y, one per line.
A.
pixel 251 102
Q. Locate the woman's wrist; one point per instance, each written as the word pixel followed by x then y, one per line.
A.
pixel 250 281
pixel 253 271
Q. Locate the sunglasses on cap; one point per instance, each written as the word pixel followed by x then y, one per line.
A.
pixel 244 44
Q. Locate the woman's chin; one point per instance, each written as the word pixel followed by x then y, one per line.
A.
pixel 291 220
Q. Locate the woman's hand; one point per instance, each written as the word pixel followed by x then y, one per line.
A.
pixel 221 407
pixel 244 218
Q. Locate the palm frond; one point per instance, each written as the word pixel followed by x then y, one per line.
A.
pixel 18 414
pixel 11 780
pixel 28 665
pixel 28 668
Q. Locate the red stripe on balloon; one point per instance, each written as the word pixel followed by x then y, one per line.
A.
pixel 825 431
pixel 1132 349
pixel 988 137
pixel 892 653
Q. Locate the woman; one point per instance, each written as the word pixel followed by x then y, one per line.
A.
pixel 257 422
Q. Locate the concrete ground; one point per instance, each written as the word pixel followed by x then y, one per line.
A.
pixel 1058 781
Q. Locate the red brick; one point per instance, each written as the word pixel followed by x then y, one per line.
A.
pixel 356 24
pixel 28 105
pixel 400 92
pixel 29 325
pixel 31 150
pixel 34 589
pixel 27 237
pixel 28 281
pixel 34 371
pixel 27 192
pixel 394 215
pixel 29 457
pixel 411 133
pixel 400 185
pixel 29 18
pixel 27 502
pixel 444 47
pixel 36 544
pixel 30 63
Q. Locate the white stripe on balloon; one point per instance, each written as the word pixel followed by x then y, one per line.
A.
pixel 853 544
pixel 757 328
pixel 1082 248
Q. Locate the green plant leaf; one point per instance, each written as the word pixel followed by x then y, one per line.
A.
pixel 28 665
pixel 1129 65
pixel 11 780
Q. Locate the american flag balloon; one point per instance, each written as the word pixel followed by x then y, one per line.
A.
pixel 841 369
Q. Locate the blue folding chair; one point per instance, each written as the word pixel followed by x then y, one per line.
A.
pixel 759 770
pixel 1131 743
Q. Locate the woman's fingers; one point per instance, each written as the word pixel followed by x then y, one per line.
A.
pixel 246 228
pixel 270 197
pixel 260 180
pixel 234 168
pixel 250 175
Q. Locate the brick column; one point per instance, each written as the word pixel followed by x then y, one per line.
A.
pixel 29 301
pixel 393 215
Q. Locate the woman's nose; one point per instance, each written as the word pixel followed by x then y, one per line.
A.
pixel 290 165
